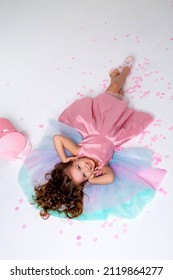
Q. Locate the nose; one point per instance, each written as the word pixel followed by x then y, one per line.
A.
pixel 87 168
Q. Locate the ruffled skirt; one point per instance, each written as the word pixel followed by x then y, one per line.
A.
pixel 135 184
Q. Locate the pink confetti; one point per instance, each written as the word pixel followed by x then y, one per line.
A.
pixel 110 224
pixel 116 236
pixel 167 156
pixel 21 200
pixel 16 208
pixel 157 159
pixel 171 39
pixel 154 139
pixel 95 239
pixel 78 237
pixel 118 148
pixel 24 226
pixel 161 190
pixel 61 231
pixel 41 125
pixel 124 225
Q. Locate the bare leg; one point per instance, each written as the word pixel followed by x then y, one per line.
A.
pixel 114 74
pixel 118 80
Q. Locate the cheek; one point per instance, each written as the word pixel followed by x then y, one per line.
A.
pixel 76 176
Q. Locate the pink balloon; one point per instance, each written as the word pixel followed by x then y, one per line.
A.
pixel 12 142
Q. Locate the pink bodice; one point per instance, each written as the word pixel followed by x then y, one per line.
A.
pixel 98 148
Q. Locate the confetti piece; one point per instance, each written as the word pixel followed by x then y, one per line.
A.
pixel 124 225
pixel 116 236
pixel 110 224
pixel 78 237
pixel 95 239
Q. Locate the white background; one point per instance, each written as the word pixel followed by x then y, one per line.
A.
pixel 53 52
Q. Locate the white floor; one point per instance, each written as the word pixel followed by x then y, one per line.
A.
pixel 52 52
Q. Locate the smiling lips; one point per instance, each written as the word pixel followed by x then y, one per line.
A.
pixel 90 166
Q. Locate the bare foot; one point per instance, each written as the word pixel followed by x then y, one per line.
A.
pixel 126 70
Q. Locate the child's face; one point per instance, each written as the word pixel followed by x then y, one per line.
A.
pixel 81 169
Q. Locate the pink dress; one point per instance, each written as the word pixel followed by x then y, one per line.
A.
pixel 104 122
pixel 98 125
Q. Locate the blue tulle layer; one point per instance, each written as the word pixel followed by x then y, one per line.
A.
pixel 135 184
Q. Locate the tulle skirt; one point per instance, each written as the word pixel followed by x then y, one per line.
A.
pixel 135 184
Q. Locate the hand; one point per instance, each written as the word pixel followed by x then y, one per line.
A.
pixel 69 158
pixel 96 172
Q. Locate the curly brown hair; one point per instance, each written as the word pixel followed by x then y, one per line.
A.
pixel 60 193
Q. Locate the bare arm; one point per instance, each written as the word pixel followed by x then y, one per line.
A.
pixel 107 177
pixel 61 143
